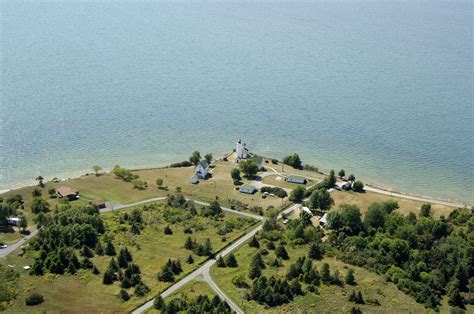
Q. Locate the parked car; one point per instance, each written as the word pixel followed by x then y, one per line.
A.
pixel 21 253
pixel 3 246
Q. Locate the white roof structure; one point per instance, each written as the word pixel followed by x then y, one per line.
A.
pixel 306 209
pixel 324 219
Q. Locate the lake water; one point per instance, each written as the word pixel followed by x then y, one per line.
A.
pixel 381 89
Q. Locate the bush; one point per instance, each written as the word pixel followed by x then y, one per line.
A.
pixel 358 186
pixel 181 164
pixel 34 299
pixel 293 160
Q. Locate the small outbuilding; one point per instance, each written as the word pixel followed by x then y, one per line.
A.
pixel 296 179
pixel 67 192
pixel 99 203
pixel 323 220
pixel 13 221
pixel 247 188
pixel 194 179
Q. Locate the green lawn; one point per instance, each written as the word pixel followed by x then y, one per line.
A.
pixel 84 292
pixel 331 299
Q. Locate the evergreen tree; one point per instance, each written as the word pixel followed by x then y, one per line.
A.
pixel 231 261
pixel 95 270
pixel 158 303
pixel 270 245
pixel 315 251
pixel 123 295
pixel 109 277
pixel 168 230
pixel 281 252
pixel 99 250
pixel 221 262
pixel 166 274
pixel 110 249
pixel 254 243
pixel 86 251
pixel 124 258
pixel 190 259
pixel 255 267
pixel 113 265
pixel 455 299
pixel 189 244
pixel 326 273
pixel 207 247
pixel 349 277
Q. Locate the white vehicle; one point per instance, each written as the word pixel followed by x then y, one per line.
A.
pixel 285 221
pixel 3 246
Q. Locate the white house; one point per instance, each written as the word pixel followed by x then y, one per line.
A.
pixel 202 169
pixel 242 151
pixel 296 179
pixel 247 188
pixel 13 221
pixel 259 161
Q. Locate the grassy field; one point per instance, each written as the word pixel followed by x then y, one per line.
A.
pixel 84 292
pixel 363 200
pixel 331 299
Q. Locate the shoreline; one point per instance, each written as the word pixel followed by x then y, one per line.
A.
pixel 371 187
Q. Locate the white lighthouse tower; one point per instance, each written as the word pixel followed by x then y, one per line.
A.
pixel 241 150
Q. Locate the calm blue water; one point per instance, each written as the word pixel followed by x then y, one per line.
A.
pixel 382 89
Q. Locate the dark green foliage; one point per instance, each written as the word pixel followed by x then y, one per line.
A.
pixel 235 174
pixel 297 195
pixel 201 304
pixel 199 249
pixel 358 186
pixel 166 274
pixel 123 295
pixel 281 252
pixel 231 261
pixel 256 266
pixel 87 252
pixel 158 302
pixel 425 210
pixel 271 246
pixel 356 297
pixel 99 250
pixel 281 193
pixel 141 289
pixel 168 230
pixel 341 173
pixel 195 158
pixel 213 210
pixel 8 284
pixel 34 299
pixel 124 257
pixel 355 310
pixel 293 161
pixel 220 262
pixel 271 291
pixel 248 167
pixel 455 299
pixel 320 199
pixel 124 174
pixel 190 259
pixel 39 205
pixel 326 273
pixel 184 163
pixel 349 277
pixel 315 251
pixel 95 270
pixel 36 192
pixel 346 219
pixel 254 242
pixel 426 258
pixel 110 248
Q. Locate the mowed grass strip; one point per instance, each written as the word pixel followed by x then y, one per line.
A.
pixel 151 249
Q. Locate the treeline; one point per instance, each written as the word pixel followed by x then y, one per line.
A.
pixel 201 304
pixel 426 258
pixel 67 230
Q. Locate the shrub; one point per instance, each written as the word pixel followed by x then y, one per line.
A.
pixel 34 299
